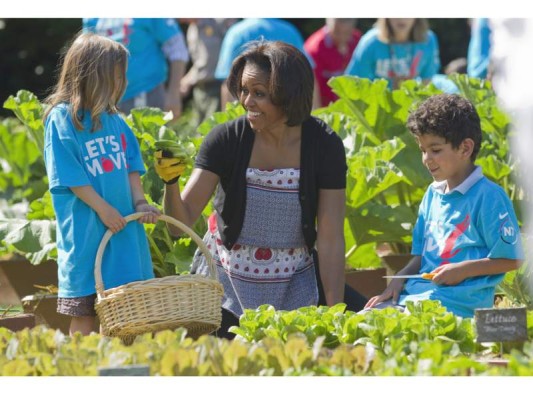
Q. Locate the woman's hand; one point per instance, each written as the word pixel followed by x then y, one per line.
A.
pixel 392 291
pixel 169 169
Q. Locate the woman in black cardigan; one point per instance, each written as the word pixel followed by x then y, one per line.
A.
pixel 279 178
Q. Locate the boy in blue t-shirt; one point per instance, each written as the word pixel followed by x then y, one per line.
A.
pixel 466 232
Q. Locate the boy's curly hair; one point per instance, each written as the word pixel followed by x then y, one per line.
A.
pixel 450 116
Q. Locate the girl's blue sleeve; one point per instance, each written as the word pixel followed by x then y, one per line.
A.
pixel 362 63
pixel 133 151
pixel 62 153
pixel 431 63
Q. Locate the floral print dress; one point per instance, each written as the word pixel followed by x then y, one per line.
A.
pixel 269 263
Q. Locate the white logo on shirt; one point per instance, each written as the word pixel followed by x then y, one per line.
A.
pixel 104 155
pixel 431 245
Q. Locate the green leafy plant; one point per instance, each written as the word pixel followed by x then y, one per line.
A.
pixel 32 232
pixel 386 178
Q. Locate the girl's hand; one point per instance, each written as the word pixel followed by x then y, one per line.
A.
pixel 392 291
pixel 112 219
pixel 151 217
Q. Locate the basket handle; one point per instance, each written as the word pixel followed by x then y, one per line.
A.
pixel 166 218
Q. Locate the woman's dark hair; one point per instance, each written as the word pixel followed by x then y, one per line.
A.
pixel 449 116
pixel 291 80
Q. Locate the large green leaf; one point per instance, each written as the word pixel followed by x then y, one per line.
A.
pixel 21 161
pixel 349 130
pixel 42 208
pixel 377 223
pixel 233 111
pixel 36 239
pixel 148 120
pixel 29 110
pixel 493 168
pixel 365 183
pixel 363 256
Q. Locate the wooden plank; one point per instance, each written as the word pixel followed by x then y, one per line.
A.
pixel 8 296
pixel 501 324
pixel 18 322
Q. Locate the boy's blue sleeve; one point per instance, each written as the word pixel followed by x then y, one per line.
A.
pixel 501 231
pixel 417 246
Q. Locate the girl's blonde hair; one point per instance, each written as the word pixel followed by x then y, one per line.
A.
pixel 87 80
pixel 418 32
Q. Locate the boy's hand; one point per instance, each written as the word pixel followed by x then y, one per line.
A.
pixel 448 274
pixel 392 291
pixel 112 219
pixel 169 169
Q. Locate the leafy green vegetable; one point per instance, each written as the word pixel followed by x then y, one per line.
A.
pixel 175 149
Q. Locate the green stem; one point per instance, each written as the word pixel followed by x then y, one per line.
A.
pixel 155 250
pixel 351 251
pixel 360 117
pixel 168 240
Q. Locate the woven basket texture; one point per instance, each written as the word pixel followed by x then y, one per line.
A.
pixel 189 301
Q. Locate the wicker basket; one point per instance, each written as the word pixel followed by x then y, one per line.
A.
pixel 189 301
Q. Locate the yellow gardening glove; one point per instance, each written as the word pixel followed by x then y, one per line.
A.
pixel 169 169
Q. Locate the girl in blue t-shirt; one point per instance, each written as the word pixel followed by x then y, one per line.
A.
pixel 397 49
pixel 94 164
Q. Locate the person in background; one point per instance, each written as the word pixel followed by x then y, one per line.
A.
pixel 331 48
pixel 479 49
pixel 157 59
pixel 204 38
pixel 511 57
pixel 278 176
pixel 466 232
pixel 443 82
pixel 250 29
pixel 397 49
pixel 93 162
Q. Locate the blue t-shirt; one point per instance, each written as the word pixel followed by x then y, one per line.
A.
pixel 254 29
pixel 475 220
pixel 374 59
pixel 102 159
pixel 144 38
pixel 478 57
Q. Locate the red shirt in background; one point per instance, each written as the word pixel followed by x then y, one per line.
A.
pixel 328 59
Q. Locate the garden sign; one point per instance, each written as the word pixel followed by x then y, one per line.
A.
pixel 501 325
